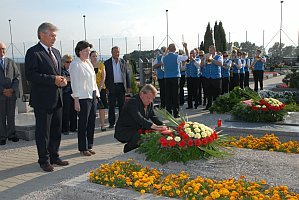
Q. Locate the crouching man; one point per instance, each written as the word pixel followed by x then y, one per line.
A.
pixel 137 114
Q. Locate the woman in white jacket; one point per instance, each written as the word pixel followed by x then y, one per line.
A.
pixel 85 94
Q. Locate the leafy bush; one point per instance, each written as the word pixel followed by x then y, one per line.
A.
pixel 226 102
pixel 292 79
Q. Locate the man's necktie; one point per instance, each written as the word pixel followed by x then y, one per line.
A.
pixel 52 57
pixel 1 63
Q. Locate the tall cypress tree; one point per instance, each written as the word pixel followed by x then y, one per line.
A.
pixel 208 38
pixel 202 47
pixel 223 42
pixel 217 37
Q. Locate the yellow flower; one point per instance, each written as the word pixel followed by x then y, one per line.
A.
pixel 142 191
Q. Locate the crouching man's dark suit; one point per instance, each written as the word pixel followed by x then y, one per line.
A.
pixel 133 118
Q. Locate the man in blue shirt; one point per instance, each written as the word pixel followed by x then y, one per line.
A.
pixel 212 84
pixel 172 75
pixel 258 70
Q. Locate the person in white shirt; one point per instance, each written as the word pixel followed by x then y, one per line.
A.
pixel 85 94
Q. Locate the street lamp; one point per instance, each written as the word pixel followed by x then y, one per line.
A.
pixel 11 44
pixel 84 27
pixel 167 28
pixel 280 47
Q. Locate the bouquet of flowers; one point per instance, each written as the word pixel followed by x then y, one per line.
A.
pixel 183 141
pixel 261 110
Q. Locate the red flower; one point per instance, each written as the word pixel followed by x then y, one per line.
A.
pixel 197 142
pixel 171 143
pixel 204 141
pixel 181 133
pixel 182 143
pixel 140 131
pixel 190 143
pixel 163 142
pixel 264 109
pixel 185 136
pixel 210 139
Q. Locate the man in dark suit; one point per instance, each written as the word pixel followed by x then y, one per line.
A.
pixel 117 83
pixel 43 70
pixel 9 91
pixel 137 114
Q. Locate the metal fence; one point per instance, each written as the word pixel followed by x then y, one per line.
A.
pixel 127 45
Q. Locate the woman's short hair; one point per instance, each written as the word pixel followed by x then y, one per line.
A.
pixel 93 51
pixel 148 88
pixel 66 58
pixel 80 46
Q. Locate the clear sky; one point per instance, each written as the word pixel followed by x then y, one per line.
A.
pixel 147 18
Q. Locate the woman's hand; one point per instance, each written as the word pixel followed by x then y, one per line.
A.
pixel 76 105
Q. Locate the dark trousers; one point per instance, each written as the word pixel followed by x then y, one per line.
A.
pixel 133 143
pixel 182 84
pixel 162 92
pixel 225 85
pixel 236 80
pixel 195 93
pixel 86 123
pixel 190 92
pixel 246 79
pixel 258 76
pixel 48 133
pixel 202 90
pixel 172 95
pixel 69 115
pixel 212 90
pixel 7 118
pixel 242 76
pixel 117 95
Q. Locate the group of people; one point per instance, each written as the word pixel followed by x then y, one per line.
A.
pixel 207 75
pixel 67 91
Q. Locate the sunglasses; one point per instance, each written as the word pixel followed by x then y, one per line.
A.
pixel 201 55
pixel 68 61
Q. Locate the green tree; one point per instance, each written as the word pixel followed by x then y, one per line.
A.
pixel 217 37
pixel 208 38
pixel 288 51
pixel 201 46
pixel 222 34
pixel 275 50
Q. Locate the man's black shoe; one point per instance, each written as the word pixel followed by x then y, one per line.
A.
pixel 14 139
pixel 111 126
pixel 189 107
pixel 2 142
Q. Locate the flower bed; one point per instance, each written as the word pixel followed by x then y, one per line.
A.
pixel 131 175
pixel 267 142
pixel 182 142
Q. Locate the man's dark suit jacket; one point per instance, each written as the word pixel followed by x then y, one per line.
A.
pixel 133 118
pixel 9 78
pixel 109 81
pixel 41 71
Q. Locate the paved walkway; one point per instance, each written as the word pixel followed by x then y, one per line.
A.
pixel 20 174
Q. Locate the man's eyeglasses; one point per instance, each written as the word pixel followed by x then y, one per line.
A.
pixel 68 61
pixel 200 55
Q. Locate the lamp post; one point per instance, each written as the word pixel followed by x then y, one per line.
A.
pixel 84 27
pixel 167 28
pixel 280 47
pixel 11 44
